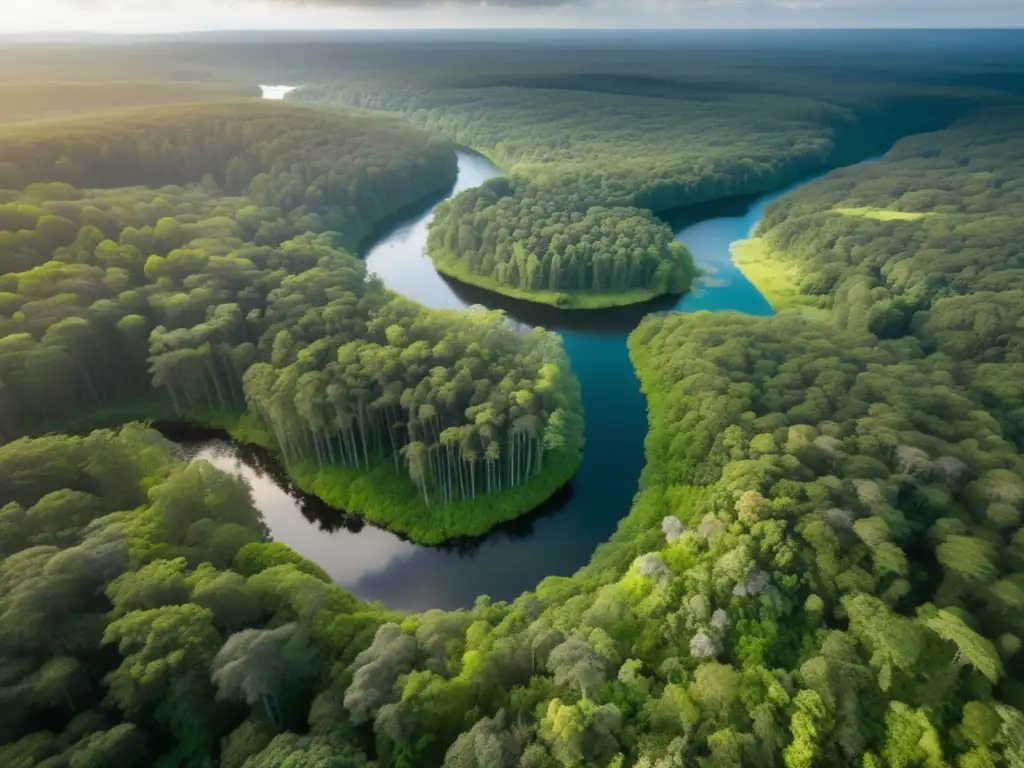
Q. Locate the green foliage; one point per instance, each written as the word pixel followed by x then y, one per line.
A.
pixel 642 131
pixel 864 467
pixel 131 658
pixel 291 751
pixel 462 404
pixel 388 497
pixel 248 739
pixel 362 169
pixel 593 146
pixel 180 273
pixel 203 293
pixel 941 267
pixel 259 556
pixel 122 745
pixel 822 566
pixel 254 665
pixel 511 236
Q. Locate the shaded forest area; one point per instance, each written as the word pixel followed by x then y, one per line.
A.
pixel 160 249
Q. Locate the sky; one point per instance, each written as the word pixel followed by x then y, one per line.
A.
pixel 135 16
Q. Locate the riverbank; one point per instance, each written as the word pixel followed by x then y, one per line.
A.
pixel 377 564
pixel 384 496
pixel 774 277
pixel 381 494
pixel 557 299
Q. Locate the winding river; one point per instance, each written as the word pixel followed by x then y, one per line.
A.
pixel 556 540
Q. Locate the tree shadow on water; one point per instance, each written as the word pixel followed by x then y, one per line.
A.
pixel 613 321
pixel 192 440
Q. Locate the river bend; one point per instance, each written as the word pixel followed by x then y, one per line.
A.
pixel 557 540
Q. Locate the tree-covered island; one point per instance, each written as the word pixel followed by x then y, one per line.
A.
pixel 511 238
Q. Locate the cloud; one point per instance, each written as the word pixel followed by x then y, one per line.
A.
pixel 878 13
pixel 183 15
pixel 924 7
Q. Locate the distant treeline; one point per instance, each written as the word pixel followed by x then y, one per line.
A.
pixel 279 157
pixel 589 154
pixel 21 101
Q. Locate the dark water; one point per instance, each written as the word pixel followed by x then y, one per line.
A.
pixel 557 540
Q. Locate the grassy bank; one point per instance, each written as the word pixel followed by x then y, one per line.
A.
pixel 559 299
pixel 387 497
pixel 382 495
pixel 773 277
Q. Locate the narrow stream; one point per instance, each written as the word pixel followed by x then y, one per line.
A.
pixel 378 565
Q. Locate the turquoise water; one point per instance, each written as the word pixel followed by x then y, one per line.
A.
pixel 557 540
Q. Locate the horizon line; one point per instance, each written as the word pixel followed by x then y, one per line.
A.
pixel 611 29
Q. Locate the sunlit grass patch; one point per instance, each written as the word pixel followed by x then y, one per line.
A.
pixel 584 299
pixel 882 214
pixel 776 280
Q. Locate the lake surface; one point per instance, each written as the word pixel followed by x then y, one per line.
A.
pixel 557 540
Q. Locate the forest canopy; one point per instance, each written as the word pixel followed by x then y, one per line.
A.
pixel 823 564
pixel 528 245
pixel 856 494
pixel 143 617
pixel 336 173
pixel 156 265
pixel 654 142
pixel 925 242
pixel 589 157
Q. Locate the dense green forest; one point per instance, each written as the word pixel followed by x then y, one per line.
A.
pixel 518 238
pixel 858 525
pixel 925 242
pixel 824 564
pixel 461 403
pixel 325 172
pixel 654 142
pixel 590 156
pixel 145 622
pixel 155 267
